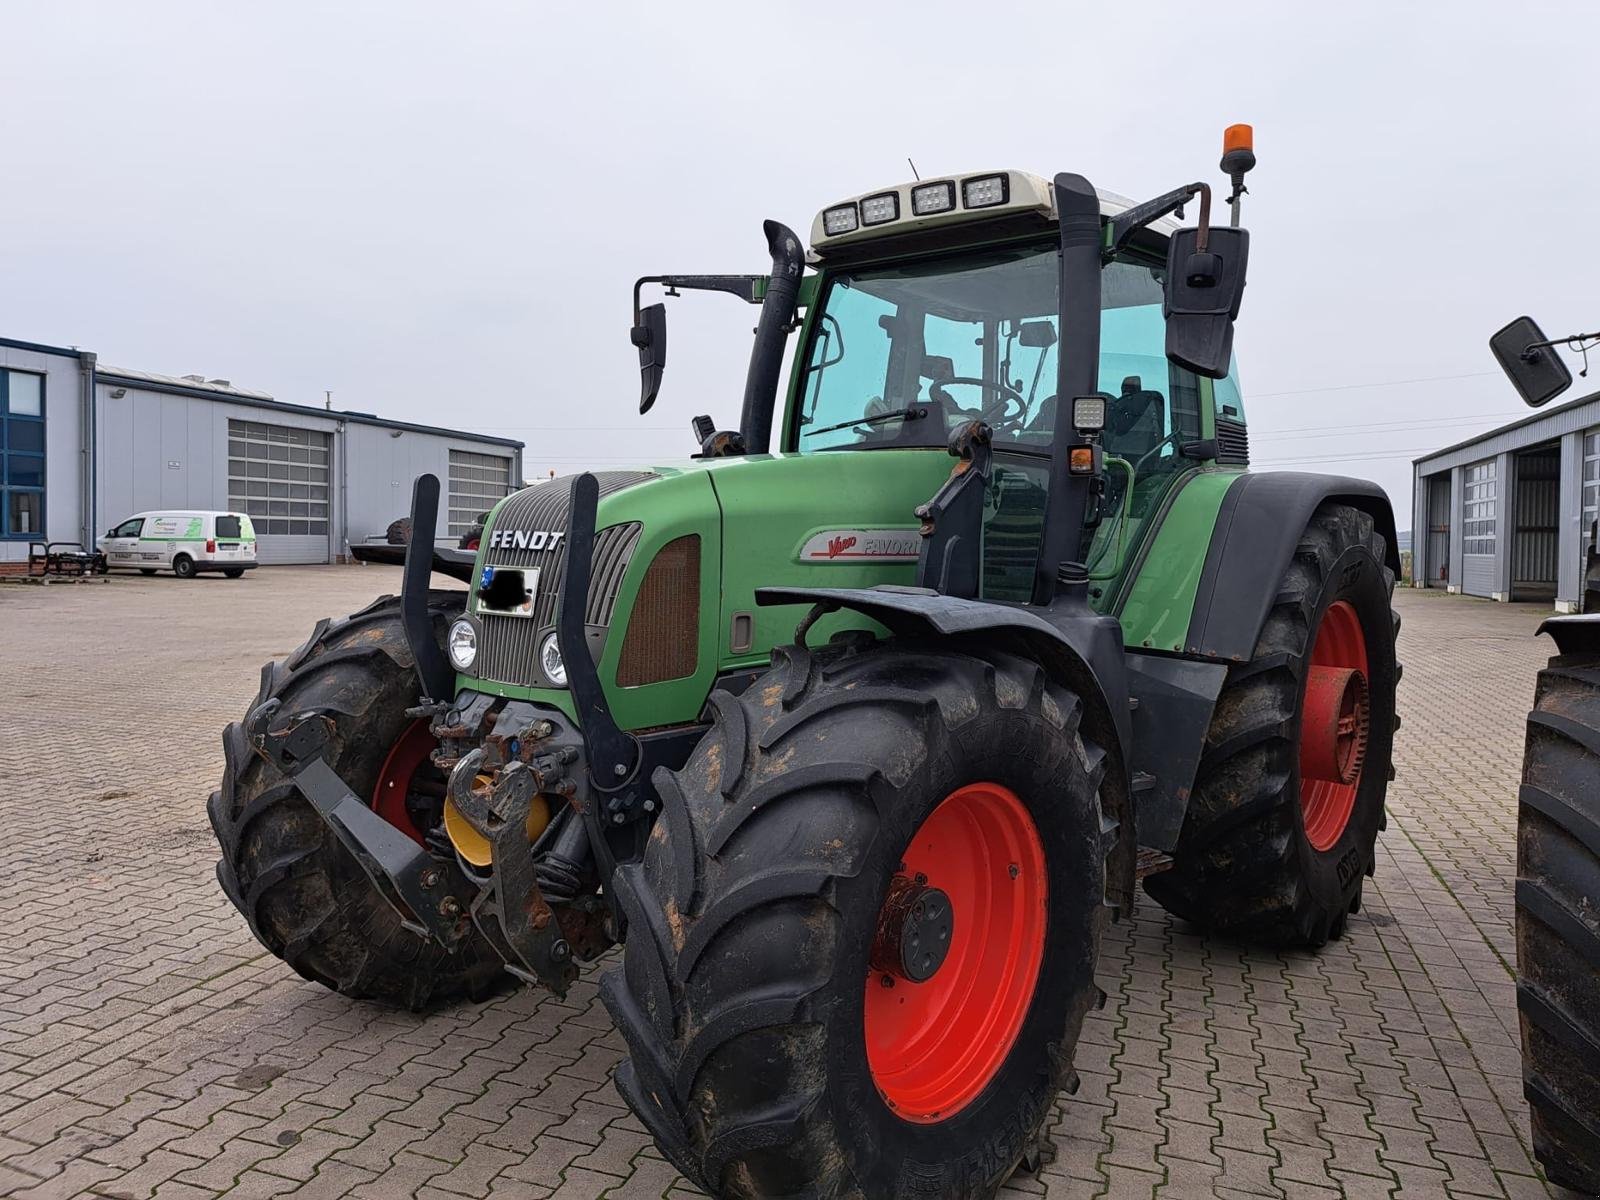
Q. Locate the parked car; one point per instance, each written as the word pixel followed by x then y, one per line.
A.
pixel 183 542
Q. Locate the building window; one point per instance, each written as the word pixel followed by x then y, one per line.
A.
pixel 278 474
pixel 477 483
pixel 1477 508
pixel 21 455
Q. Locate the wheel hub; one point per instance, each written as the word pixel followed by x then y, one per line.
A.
pixel 1333 732
pixel 914 930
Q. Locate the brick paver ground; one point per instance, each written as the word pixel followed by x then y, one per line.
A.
pixel 149 1047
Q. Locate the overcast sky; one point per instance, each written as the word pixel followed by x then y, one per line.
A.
pixel 437 211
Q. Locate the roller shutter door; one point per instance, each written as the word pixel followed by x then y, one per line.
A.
pixel 279 475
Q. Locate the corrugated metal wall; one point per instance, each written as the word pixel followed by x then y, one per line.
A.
pixel 1536 518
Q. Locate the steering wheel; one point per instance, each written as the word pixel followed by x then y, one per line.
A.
pixel 997 412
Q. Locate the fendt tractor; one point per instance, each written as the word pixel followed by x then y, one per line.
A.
pixel 855 727
pixel 1558 842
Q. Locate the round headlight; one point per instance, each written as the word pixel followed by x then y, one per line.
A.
pixel 550 659
pixel 462 644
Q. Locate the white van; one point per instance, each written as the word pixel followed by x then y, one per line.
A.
pixel 185 543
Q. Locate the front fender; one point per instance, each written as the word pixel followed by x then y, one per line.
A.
pixel 1080 649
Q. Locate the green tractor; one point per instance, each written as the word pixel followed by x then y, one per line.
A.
pixel 855 727
pixel 1558 843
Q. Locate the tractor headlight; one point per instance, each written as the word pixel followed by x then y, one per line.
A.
pixel 880 209
pixel 930 198
pixel 462 644
pixel 550 661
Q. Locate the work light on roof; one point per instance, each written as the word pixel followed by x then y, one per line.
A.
pixel 880 209
pixel 930 198
pixel 984 191
pixel 840 219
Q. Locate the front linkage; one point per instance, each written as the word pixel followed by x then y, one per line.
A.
pixel 537 907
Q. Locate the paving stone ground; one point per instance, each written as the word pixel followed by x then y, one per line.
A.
pixel 149 1047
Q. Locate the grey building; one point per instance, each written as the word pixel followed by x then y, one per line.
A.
pixel 84 445
pixel 1507 514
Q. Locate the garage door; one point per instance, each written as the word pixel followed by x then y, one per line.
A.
pixel 1479 496
pixel 279 475
pixel 477 483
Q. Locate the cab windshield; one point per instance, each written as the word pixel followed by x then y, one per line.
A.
pixel 901 355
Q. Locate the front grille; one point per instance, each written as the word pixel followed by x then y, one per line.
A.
pixel 508 646
pixel 1233 443
pixel 663 639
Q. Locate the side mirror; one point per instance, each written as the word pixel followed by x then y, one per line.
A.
pixel 1203 291
pixel 650 336
pixel 1530 362
pixel 1037 335
pixel 938 368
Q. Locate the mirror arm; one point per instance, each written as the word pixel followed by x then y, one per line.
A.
pixel 1572 342
pixel 746 287
pixel 1125 224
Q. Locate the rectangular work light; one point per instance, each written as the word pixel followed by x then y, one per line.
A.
pixel 841 219
pixel 1089 413
pixel 880 209
pixel 985 191
pixel 930 198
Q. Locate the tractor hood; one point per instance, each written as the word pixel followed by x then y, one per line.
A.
pixel 679 552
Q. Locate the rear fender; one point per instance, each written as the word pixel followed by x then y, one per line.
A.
pixel 1258 528
pixel 1078 648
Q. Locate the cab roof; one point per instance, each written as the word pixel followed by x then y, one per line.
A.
pixel 947 200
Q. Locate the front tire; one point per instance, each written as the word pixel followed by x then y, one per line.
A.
pixel 1274 847
pixel 768 1054
pixel 305 897
pixel 1558 926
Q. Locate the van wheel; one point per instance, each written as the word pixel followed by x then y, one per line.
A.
pixel 147 570
pixel 183 567
pixel 233 572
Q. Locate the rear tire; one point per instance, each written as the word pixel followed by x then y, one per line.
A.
pixel 233 572
pixel 767 1057
pixel 1258 859
pixel 1558 926
pixel 305 897
pixel 183 567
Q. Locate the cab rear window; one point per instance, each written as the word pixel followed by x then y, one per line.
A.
pixel 228 527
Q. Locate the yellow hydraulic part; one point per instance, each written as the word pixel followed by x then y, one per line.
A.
pixel 472 845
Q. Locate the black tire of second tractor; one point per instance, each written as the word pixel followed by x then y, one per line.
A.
pixel 752 914
pixel 1243 866
pixel 306 898
pixel 1558 929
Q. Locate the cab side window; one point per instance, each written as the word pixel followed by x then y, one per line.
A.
pixel 129 528
pixel 227 527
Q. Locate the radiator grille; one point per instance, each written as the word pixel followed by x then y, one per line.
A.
pixel 663 638
pixel 1233 443
pixel 508 646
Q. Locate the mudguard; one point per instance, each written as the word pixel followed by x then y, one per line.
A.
pixel 1080 648
pixel 1258 527
pixel 1574 634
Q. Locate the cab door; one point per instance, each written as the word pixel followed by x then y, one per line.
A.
pixel 121 545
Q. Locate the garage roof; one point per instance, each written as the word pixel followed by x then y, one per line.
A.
pixel 220 389
pixel 1542 426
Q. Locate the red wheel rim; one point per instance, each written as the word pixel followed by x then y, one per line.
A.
pixel 1334 723
pixel 934 1046
pixel 394 779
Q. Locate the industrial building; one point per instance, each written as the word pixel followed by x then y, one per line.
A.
pixel 82 446
pixel 1508 514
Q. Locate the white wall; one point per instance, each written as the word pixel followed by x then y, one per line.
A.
pixel 63 434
